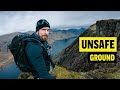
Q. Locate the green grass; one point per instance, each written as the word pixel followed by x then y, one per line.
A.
pixel 115 75
pixel 63 73
pixel 60 73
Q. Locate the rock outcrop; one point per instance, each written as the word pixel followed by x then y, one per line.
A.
pixel 72 59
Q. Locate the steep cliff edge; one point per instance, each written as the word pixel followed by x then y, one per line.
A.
pixel 72 59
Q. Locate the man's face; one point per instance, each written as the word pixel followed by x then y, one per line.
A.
pixel 43 33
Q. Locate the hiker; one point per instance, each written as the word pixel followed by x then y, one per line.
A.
pixel 36 54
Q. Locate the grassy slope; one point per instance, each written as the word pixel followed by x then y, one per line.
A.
pixel 63 73
pixel 60 72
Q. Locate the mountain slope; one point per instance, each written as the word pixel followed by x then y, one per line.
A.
pixel 72 59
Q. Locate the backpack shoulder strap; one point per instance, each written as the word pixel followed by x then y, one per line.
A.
pixel 33 39
pixel 52 63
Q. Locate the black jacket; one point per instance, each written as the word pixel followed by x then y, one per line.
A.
pixel 38 58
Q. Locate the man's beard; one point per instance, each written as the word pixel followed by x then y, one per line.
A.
pixel 44 37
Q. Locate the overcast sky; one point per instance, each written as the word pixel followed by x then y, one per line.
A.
pixel 22 21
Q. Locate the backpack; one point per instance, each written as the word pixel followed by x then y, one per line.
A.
pixel 17 48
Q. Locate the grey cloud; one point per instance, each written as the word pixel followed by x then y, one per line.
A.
pixel 12 21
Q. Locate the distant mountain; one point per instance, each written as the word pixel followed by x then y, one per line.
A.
pixel 64 34
pixel 63 38
pixel 72 59
pixel 5 40
pixel 72 30
pixel 70 27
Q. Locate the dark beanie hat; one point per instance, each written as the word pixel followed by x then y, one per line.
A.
pixel 42 23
